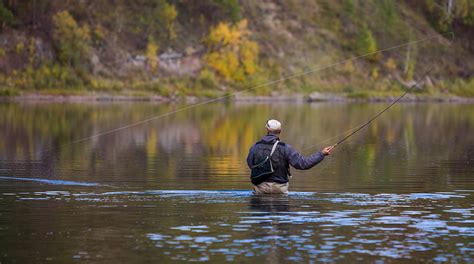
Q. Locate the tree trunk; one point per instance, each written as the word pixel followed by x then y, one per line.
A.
pixel 407 60
pixel 449 8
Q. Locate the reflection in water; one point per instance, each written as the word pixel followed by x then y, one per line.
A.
pixel 409 148
pixel 398 191
pixel 270 203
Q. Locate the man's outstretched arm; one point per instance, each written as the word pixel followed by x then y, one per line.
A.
pixel 301 162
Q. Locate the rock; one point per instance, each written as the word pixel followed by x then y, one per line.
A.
pixel 428 82
pixel 321 97
pixel 170 55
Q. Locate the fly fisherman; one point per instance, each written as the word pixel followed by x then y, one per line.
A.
pixel 269 161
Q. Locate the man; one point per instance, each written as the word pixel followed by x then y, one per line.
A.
pixel 282 156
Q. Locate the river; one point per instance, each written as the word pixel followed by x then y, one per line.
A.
pixel 176 188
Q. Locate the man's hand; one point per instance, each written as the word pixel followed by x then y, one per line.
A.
pixel 327 150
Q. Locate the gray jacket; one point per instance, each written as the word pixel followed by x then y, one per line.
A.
pixel 284 155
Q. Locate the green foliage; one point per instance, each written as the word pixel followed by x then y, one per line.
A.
pixel 231 9
pixel 31 52
pixel 389 12
pixel 5 92
pixel 45 77
pixel 207 79
pixel 463 88
pixel 19 47
pixel 464 11
pixel 152 17
pixel 71 40
pixel 211 11
pixel 349 6
pixel 6 16
pixel 366 44
pixel 102 84
pixel 410 70
pixel 442 16
pixel 167 15
pixel 99 34
pixel 295 34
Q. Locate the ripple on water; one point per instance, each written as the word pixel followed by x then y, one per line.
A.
pixel 384 225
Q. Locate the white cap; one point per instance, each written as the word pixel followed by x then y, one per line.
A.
pixel 273 125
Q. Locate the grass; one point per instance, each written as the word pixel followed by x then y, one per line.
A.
pixel 463 88
pixel 8 92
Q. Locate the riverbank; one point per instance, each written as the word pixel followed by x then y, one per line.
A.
pixel 298 97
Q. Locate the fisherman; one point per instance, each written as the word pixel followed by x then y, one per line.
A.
pixel 279 156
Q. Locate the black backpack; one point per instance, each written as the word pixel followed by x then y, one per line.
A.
pixel 263 169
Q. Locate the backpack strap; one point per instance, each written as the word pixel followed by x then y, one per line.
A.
pixel 274 147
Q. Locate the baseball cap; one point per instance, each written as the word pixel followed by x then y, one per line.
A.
pixel 273 125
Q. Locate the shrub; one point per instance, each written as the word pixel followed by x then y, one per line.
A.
pixel 231 9
pixel 366 44
pixel 390 65
pixel 207 79
pixel 151 51
pixel 6 16
pixel 71 40
pixel 231 54
pixel 19 47
pixel 442 16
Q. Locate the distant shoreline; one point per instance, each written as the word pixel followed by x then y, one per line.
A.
pixel 297 98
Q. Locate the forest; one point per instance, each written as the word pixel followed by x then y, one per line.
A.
pixel 210 48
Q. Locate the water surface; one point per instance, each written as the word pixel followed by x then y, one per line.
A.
pixel 177 188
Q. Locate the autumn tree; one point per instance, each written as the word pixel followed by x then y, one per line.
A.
pixel 167 15
pixel 366 44
pixel 71 40
pixel 151 54
pixel 231 54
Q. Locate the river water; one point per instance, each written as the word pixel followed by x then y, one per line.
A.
pixel 176 188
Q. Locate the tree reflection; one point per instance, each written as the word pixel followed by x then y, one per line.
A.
pixel 208 144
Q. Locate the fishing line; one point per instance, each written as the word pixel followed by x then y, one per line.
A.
pixel 333 137
pixel 255 87
pixel 384 110
pixel 360 127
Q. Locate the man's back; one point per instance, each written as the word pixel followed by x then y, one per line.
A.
pixel 279 159
pixel 283 156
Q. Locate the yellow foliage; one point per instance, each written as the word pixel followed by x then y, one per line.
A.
pixel 2 53
pixel 99 33
pixel 169 15
pixel 242 26
pixel 223 35
pixel 248 54
pixel 151 149
pixel 151 51
pixel 31 51
pixel 232 55
pixel 71 39
pixel 224 63
pixel 19 47
pixel 390 64
pixel 374 73
pixel 349 67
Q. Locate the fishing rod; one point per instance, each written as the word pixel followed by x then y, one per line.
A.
pixel 383 111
